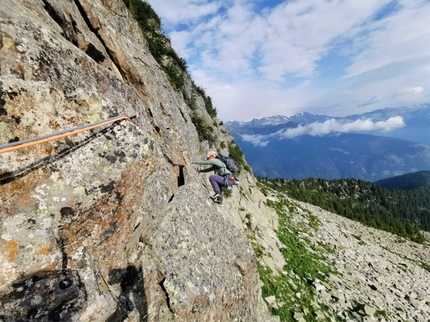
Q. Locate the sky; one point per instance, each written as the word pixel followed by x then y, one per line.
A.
pixel 258 58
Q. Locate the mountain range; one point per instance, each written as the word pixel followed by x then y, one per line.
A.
pixel 370 146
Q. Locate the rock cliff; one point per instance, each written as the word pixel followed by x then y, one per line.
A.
pixel 116 224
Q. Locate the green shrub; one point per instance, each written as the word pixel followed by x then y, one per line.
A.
pixel 208 101
pixel 263 189
pixel 176 76
pixel 192 101
pixel 209 107
pixel 236 153
pixel 425 266
pixel 248 168
pixel 159 45
pixel 203 129
pixel 314 221
pixel 227 192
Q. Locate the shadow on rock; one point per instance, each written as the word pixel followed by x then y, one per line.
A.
pixel 43 296
pixel 132 293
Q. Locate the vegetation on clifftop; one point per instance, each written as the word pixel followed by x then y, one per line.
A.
pixel 159 45
pixel 204 130
pixel 236 154
pixel 174 66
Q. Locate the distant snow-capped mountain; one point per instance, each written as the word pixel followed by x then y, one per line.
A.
pixel 416 119
pixel 299 118
pixel 416 111
pixel 271 120
pixel 299 146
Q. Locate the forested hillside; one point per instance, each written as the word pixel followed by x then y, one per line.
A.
pixel 403 213
pixel 408 181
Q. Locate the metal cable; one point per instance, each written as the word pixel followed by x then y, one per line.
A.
pixel 58 135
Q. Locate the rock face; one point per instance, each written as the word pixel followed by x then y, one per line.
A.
pixel 113 224
pixel 117 225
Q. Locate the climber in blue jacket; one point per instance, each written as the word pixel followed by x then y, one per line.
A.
pixel 222 178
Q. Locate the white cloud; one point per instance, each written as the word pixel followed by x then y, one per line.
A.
pixel 398 38
pixel 184 11
pixel 254 63
pixel 327 127
pixel 333 126
pixel 246 101
pixel 257 140
pixel 390 65
pixel 299 33
pixel 287 39
pixel 386 87
pixel 408 92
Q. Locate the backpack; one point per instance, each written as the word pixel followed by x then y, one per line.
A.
pixel 229 163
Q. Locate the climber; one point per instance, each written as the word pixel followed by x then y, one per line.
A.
pixel 222 178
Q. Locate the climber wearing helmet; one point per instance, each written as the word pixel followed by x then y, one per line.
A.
pixel 220 179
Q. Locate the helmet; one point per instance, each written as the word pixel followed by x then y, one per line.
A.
pixel 211 153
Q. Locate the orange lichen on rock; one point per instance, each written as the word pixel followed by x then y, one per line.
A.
pixel 12 249
pixel 105 286
pixel 45 249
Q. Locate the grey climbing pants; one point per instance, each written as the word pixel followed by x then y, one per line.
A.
pixel 218 181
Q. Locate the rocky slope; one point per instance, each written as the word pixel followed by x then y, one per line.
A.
pixel 116 224
pixel 379 276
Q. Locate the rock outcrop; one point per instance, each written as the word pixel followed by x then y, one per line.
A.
pixel 114 224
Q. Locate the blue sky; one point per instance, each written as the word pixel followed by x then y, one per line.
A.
pixel 336 57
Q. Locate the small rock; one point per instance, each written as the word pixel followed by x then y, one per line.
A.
pixel 369 310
